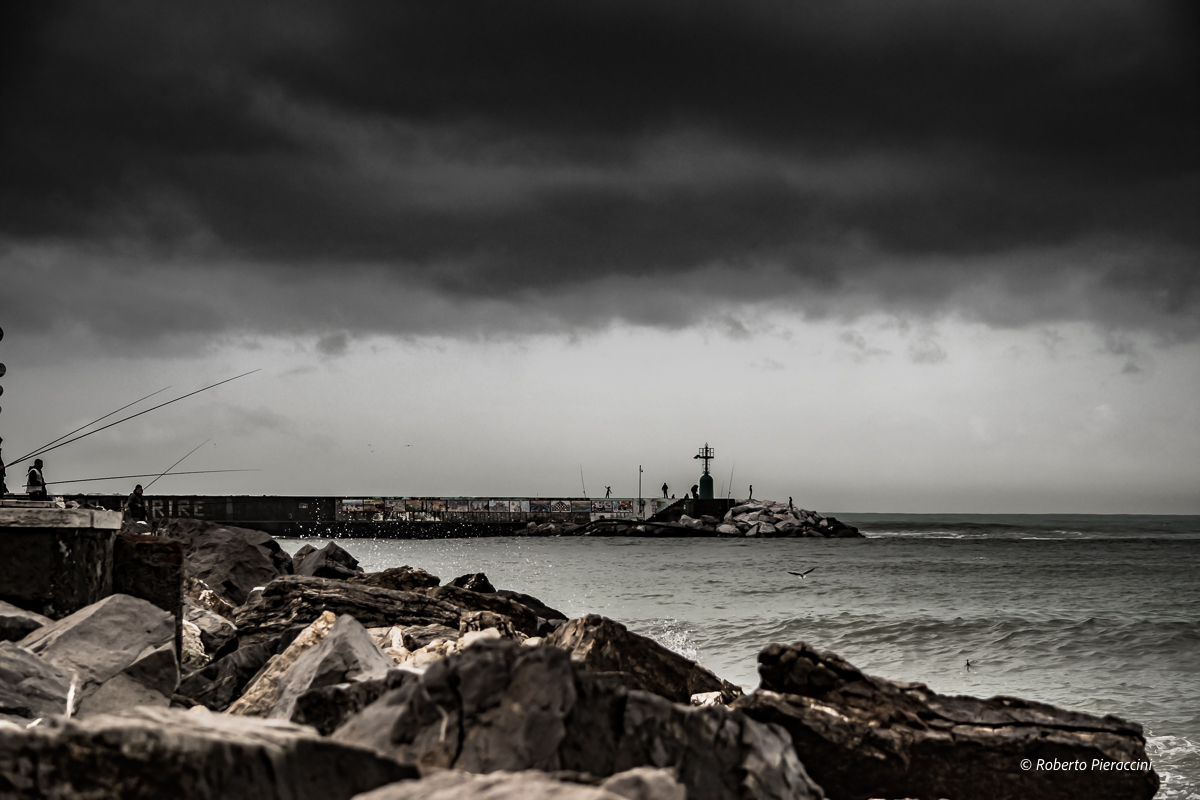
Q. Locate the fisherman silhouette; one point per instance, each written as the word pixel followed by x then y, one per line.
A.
pixel 695 491
pixel 35 482
pixel 751 497
pixel 136 504
pixel 607 492
pixel 664 491
pixel 3 485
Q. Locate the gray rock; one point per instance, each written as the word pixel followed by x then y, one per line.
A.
pixel 500 706
pixel 30 687
pixel 863 736
pixel 217 685
pixel 523 618
pixel 299 556
pixel 533 604
pixel 231 561
pixel 122 650
pixel 288 604
pixel 417 636
pixel 17 623
pixel 602 645
pixel 146 754
pixel 326 708
pixel 398 579
pixel 346 654
pixel 217 634
pixel 475 581
pixel 331 561
pixel 727 529
pixel 638 784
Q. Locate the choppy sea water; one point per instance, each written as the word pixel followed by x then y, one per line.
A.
pixel 1093 613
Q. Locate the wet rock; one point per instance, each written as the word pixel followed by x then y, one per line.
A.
pixel 726 529
pixel 30 687
pixel 17 623
pixel 290 603
pixel 217 634
pixel 222 681
pixel 331 561
pixel 523 618
pixel 636 784
pixel 231 561
pixel 298 557
pixel 346 655
pixel 261 694
pixel 398 579
pixel 864 737
pixel 601 645
pixel 500 706
pixel 122 650
pixel 185 755
pixel 475 581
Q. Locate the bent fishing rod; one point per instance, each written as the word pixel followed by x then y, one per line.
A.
pixel 47 449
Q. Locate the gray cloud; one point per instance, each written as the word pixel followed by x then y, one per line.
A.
pixel 179 174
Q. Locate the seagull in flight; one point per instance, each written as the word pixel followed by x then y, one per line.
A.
pixel 801 575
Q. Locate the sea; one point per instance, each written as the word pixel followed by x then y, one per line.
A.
pixel 1099 614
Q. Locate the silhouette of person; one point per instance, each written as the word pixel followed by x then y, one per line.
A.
pixel 607 492
pixel 695 491
pixel 664 491
pixel 751 497
pixel 35 482
pixel 789 503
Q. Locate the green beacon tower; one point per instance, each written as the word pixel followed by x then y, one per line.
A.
pixel 706 481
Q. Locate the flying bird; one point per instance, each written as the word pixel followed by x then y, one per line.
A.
pixel 801 575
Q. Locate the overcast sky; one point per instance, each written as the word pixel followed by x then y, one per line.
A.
pixel 940 255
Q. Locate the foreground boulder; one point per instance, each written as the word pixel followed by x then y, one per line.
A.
pixel 326 708
pixel 30 687
pixel 290 603
pixel 17 623
pixel 121 649
pixel 231 561
pixel 636 784
pixel 221 682
pixel 500 706
pixel 160 753
pixel 863 737
pixel 601 645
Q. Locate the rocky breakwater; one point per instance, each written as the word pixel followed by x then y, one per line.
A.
pixel 766 519
pixel 394 685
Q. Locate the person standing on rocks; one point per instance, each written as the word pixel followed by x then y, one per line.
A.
pixel 35 482
pixel 695 491
pixel 664 491
pixel 136 504
pixel 3 484
pixel 751 497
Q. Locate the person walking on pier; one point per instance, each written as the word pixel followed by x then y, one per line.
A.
pixel 136 504
pixel 664 491
pixel 3 484
pixel 607 492
pixel 35 482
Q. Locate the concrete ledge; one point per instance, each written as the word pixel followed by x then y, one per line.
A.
pixel 60 518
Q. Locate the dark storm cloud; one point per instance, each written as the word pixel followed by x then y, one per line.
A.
pixel 1011 162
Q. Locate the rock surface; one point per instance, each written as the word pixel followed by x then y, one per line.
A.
pixel 864 737
pixel 290 603
pixel 17 623
pixel 475 581
pixel 331 561
pixel 636 784
pixel 523 618
pixel 30 687
pixel 261 694
pixel 222 681
pixel 326 708
pixel 122 650
pixel 149 754
pixel 500 706
pixel 217 634
pixel 399 579
pixel 601 645
pixel 231 561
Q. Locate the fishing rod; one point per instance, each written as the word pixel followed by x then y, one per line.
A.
pixel 177 463
pixel 93 422
pixel 131 416
pixel 151 475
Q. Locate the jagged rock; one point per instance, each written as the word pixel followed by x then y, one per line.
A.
pixel 231 561
pixel 191 652
pixel 331 561
pixel 753 531
pixel 766 529
pixel 201 595
pixel 398 579
pixel 601 645
pixel 327 707
pixel 411 637
pixel 726 529
pixel 864 737
pixel 523 618
pixel 299 556
pixel 533 604
pixel 222 681
pixel 484 620
pixel 30 687
pixel 500 706
pixel 475 581
pixel 185 755
pixel 17 623
pixel 262 693
pixel 122 649
pixel 642 783
pixel 290 603
pixel 346 655
pixel 217 634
